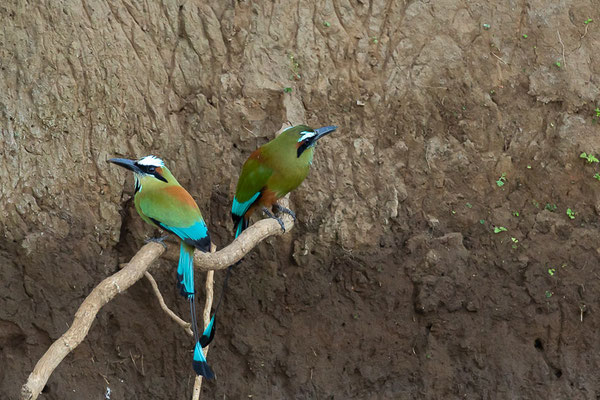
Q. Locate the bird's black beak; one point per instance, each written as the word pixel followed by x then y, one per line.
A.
pixel 311 141
pixel 125 163
pixel 326 130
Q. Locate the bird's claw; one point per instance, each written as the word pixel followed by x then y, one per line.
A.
pixel 286 211
pixel 270 215
pixel 159 240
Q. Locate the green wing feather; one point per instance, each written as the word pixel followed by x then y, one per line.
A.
pixel 253 178
pixel 171 207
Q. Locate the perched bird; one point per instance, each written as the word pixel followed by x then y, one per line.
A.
pixel 162 202
pixel 272 171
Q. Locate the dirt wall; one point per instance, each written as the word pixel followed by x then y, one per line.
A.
pixel 393 283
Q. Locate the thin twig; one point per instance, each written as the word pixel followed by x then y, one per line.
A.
pixel 585 32
pixel 492 53
pixel 206 317
pixel 185 325
pixel 563 49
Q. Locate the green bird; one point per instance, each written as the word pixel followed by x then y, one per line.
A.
pixel 163 203
pixel 272 171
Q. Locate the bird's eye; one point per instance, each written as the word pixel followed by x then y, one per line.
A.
pixel 151 169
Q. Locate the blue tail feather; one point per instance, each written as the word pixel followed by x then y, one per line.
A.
pixel 199 363
pixel 209 333
pixel 185 270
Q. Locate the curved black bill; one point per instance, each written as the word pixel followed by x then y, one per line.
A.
pixel 326 130
pixel 125 163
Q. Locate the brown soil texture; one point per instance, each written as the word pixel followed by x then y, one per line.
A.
pixel 393 284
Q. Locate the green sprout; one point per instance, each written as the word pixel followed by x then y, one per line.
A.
pixel 590 158
pixel 597 176
pixel 536 204
pixel 588 21
pixel 498 229
pixel 529 167
pixel 486 26
pixel 469 205
pixel 570 213
pixel 326 24
pixel 375 40
pixel 482 221
pixel 550 207
pixel 548 294
pixel 492 92
pixel 502 180
pixel 515 213
pixel 294 67
pixel 524 36
pixel 515 242
pixel 597 111
pixel 551 271
pixel 558 64
pixel 287 90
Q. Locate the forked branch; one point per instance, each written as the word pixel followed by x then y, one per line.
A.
pixel 122 280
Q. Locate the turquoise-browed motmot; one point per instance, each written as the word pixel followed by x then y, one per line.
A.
pixel 162 202
pixel 272 171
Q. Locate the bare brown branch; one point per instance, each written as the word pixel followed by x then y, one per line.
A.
pixel 102 294
pixel 131 273
pixel 185 325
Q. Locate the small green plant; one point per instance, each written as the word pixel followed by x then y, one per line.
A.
pixel 375 40
pixel 294 67
pixel 558 64
pixel 588 21
pixel 492 92
pixel 570 213
pixel 469 205
pixel 287 90
pixel 550 207
pixel 502 180
pixel 326 24
pixel 486 26
pixel 597 111
pixel 597 176
pixel 529 167
pixel 524 36
pixel 482 221
pixel 515 242
pixel 590 158
pixel 515 213
pixel 548 294
pixel 498 229
pixel 551 271
pixel 535 204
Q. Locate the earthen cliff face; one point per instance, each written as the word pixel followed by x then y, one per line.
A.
pixel 393 281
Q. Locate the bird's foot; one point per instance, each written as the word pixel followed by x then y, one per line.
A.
pixel 159 240
pixel 270 215
pixel 285 211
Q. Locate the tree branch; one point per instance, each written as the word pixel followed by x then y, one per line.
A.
pixel 102 294
pixel 131 273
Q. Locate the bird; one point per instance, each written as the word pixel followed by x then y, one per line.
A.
pixel 163 203
pixel 272 171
